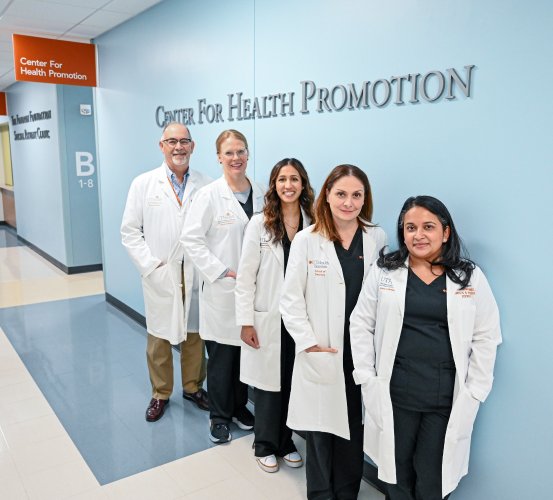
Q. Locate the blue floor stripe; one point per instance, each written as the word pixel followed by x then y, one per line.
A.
pixel 8 238
pixel 89 361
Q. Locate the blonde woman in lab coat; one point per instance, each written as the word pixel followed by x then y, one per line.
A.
pixel 328 263
pixel 268 351
pixel 212 238
pixel 424 336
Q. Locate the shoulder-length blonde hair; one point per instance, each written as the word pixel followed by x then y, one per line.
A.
pixel 324 222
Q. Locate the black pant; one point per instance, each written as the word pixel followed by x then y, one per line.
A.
pixel 272 436
pixel 334 466
pixel 419 447
pixel 227 395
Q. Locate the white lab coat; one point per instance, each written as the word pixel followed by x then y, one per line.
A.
pixel 150 230
pixel 375 329
pixel 212 238
pixel 312 307
pixel 257 294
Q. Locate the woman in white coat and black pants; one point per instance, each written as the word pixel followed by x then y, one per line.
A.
pixel 424 337
pixel 212 238
pixel 328 263
pixel 268 352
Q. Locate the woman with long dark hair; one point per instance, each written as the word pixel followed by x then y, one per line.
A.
pixel 328 263
pixel 268 353
pixel 424 336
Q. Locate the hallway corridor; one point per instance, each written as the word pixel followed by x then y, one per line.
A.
pixel 73 391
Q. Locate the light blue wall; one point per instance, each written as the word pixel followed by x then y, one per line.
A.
pixel 55 211
pixel 488 157
pixel 36 170
pixel 82 212
pixel 145 63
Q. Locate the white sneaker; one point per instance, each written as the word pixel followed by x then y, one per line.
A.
pixel 268 463
pixel 293 459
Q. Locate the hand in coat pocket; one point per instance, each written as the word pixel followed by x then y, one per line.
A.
pixel 321 367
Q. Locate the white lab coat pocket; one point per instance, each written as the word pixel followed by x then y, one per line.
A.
pixel 372 401
pixel 463 415
pixel 219 295
pixel 159 283
pixel 321 367
pixel 163 304
pixel 262 323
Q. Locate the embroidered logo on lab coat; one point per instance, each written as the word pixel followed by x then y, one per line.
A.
pixel 264 242
pixel 466 293
pixel 386 283
pixel 227 218
pixel 320 267
pixel 153 201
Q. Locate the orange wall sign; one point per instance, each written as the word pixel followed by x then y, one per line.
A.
pixel 3 106
pixel 54 61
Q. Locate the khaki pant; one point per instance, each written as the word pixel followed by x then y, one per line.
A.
pixel 160 365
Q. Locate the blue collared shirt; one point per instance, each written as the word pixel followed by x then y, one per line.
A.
pixel 179 188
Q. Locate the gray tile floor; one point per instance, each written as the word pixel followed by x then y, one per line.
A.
pixel 88 359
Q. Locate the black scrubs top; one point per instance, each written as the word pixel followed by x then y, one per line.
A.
pixel 286 243
pixel 351 261
pixel 424 370
pixel 248 206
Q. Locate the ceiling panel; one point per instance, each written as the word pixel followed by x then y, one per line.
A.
pixel 82 32
pixel 130 7
pixel 104 18
pixel 47 11
pixel 74 20
pixel 27 25
pixel 92 4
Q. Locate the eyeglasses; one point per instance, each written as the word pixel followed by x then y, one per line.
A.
pixel 173 142
pixel 241 153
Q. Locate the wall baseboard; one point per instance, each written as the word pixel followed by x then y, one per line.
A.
pixel 58 264
pixel 124 308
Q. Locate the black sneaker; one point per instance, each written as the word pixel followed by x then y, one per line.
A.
pixel 244 419
pixel 219 433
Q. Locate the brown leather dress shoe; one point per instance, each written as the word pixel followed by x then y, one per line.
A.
pixel 199 397
pixel 155 409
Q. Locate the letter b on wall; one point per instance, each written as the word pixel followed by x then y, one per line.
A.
pixel 83 162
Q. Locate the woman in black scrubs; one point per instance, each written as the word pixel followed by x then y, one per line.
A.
pixel 324 277
pixel 424 335
pixel 267 355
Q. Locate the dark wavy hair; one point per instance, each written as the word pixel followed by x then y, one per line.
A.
pixel 457 267
pixel 324 222
pixel 272 211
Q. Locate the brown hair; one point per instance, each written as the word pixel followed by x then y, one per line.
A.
pixel 230 133
pixel 272 211
pixel 324 221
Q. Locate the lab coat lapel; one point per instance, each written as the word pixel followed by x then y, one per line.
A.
pixel 400 286
pixel 227 193
pixel 452 322
pixel 327 247
pixel 368 249
pixel 278 252
pixel 189 189
pixel 166 188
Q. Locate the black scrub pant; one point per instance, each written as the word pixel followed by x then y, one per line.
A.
pixel 227 395
pixel 419 447
pixel 272 436
pixel 334 466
